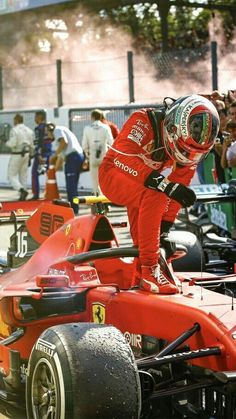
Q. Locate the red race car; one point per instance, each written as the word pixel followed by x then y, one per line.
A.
pixel 78 341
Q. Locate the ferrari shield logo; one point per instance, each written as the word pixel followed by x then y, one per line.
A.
pixel 98 313
pixel 4 328
pixel 68 228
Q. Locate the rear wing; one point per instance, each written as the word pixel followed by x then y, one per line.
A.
pixel 20 210
pixel 212 193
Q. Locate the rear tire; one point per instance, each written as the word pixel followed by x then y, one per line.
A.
pixel 81 371
pixel 194 260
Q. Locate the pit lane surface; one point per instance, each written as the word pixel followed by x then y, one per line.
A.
pixel 115 215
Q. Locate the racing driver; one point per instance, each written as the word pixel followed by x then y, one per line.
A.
pixel 176 136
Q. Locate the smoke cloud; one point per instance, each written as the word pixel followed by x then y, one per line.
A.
pixel 94 64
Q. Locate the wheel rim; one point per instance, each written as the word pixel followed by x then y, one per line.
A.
pixel 45 391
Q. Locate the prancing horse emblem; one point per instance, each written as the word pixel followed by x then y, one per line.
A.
pixel 98 313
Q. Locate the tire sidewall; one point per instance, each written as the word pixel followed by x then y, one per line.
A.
pixel 49 351
pixel 194 260
pixel 89 362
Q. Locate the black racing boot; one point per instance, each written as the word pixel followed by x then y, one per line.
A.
pixel 23 194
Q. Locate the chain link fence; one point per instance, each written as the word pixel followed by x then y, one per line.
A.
pixel 117 81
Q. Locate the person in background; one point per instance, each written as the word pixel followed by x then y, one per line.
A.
pixel 227 98
pixel 219 104
pixel 217 149
pixel 96 139
pixel 43 151
pixel 232 111
pixel 114 128
pixel 177 136
pixel 228 157
pixel 68 150
pixel 21 143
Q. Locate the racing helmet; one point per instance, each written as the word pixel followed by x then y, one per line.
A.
pixel 191 125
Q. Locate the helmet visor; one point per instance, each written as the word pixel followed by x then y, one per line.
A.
pixel 203 128
pixel 196 127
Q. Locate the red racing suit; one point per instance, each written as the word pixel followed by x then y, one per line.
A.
pixel 122 174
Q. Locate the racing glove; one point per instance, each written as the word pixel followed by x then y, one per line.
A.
pixel 232 187
pixel 177 191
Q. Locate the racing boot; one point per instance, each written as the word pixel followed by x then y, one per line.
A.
pixel 23 194
pixel 156 281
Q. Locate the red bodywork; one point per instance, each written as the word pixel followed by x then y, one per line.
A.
pixel 22 209
pixel 102 287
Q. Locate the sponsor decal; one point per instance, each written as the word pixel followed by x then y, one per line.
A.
pixel 218 218
pixel 45 347
pixel 98 313
pixel 68 229
pixel 133 339
pixel 125 168
pixel 22 244
pixel 140 123
pixel 149 147
pixel 178 112
pixel 89 276
pixel 79 244
pixel 185 115
pixel 52 271
pixel 50 223
pixel 206 189
pixel 180 354
pixel 23 372
pixel 4 328
pixel 137 132
pixel 19 211
pixel 135 136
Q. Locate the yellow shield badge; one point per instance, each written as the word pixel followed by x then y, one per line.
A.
pixel 98 313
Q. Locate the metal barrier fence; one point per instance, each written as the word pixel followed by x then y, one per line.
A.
pixel 79 118
pixel 130 78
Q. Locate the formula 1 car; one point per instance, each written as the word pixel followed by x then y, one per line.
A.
pixel 213 230
pixel 79 340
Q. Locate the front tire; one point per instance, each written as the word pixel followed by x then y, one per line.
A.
pixel 81 371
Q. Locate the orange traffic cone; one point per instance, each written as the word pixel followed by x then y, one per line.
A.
pixel 51 189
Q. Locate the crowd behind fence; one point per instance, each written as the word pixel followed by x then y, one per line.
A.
pixel 114 81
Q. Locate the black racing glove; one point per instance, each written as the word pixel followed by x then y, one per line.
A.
pixel 177 191
pixel 232 187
